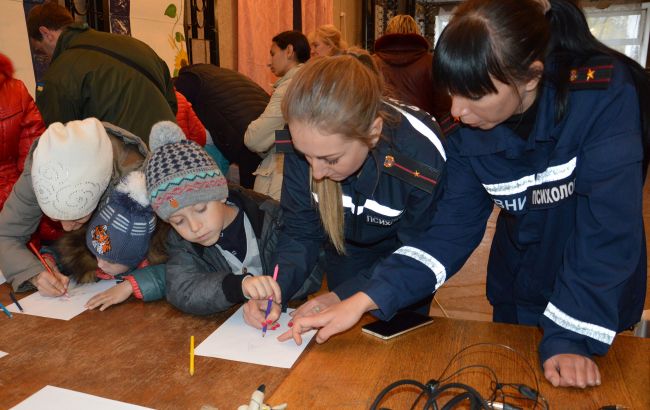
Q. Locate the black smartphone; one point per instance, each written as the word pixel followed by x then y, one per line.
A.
pixel 399 324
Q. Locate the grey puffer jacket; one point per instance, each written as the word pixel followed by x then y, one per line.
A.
pixel 199 280
pixel 21 213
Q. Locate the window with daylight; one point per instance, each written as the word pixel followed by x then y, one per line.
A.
pixel 622 27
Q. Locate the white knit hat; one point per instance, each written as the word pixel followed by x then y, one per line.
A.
pixel 71 169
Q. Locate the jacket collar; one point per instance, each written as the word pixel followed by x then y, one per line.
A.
pixel 68 34
pixel 401 42
pixel 126 136
pixel 367 178
pixel 288 75
pixel 475 141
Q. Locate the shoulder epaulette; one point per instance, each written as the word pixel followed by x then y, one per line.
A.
pixel 596 74
pixel 283 141
pixel 413 172
pixel 449 124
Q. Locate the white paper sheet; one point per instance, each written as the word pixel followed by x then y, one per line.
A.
pixel 3 354
pixel 235 340
pixel 56 398
pixel 62 307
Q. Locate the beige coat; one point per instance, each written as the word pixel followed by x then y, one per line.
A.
pixel 21 214
pixel 260 138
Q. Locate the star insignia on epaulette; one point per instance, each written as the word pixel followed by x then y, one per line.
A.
pixel 595 74
pixel 591 74
pixel 414 172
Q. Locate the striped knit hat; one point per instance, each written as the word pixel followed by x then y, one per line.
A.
pixel 121 228
pixel 179 172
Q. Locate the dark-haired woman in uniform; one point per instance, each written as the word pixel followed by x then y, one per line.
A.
pixel 551 126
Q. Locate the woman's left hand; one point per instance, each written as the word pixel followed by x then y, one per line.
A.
pixel 335 319
pixel 316 305
pixel 571 370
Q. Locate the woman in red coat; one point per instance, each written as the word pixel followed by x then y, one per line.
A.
pixel 20 125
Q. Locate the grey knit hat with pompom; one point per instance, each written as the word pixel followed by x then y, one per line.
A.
pixel 180 172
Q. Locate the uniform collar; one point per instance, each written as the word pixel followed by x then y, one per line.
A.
pixel 368 176
pixel 474 141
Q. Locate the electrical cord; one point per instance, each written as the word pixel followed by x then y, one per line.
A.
pixel 496 400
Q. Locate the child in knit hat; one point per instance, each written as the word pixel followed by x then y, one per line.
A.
pixel 119 236
pixel 220 250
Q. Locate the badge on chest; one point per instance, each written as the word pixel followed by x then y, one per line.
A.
pixel 543 190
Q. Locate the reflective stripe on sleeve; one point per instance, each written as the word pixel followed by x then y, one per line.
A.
pixel 427 260
pixel 554 173
pixel 586 329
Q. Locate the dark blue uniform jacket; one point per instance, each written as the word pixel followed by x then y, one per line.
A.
pixel 388 202
pixel 569 248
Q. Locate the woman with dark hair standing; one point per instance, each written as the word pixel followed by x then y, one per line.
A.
pixel 289 50
pixel 551 127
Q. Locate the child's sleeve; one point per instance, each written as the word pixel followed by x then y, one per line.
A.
pixel 195 285
pixel 148 283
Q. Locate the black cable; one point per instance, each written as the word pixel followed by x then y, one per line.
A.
pixel 433 389
pixel 457 400
pixel 506 347
pixel 483 403
pixel 393 385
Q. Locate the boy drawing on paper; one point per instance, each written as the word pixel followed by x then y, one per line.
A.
pixel 222 239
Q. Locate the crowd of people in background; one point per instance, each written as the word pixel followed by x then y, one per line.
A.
pixel 377 171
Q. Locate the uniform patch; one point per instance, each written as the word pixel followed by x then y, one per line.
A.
pixel 537 191
pixel 413 172
pixel 549 195
pixel 381 221
pixel 597 74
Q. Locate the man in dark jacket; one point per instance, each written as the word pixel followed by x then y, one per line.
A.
pixel 111 77
pixel 226 102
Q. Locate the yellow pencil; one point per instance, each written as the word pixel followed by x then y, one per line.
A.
pixel 191 355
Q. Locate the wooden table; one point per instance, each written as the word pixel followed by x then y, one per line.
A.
pixel 134 352
pixel 350 370
pixel 138 353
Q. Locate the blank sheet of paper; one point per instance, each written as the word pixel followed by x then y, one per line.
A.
pixel 55 398
pixel 235 340
pixel 3 354
pixel 61 307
